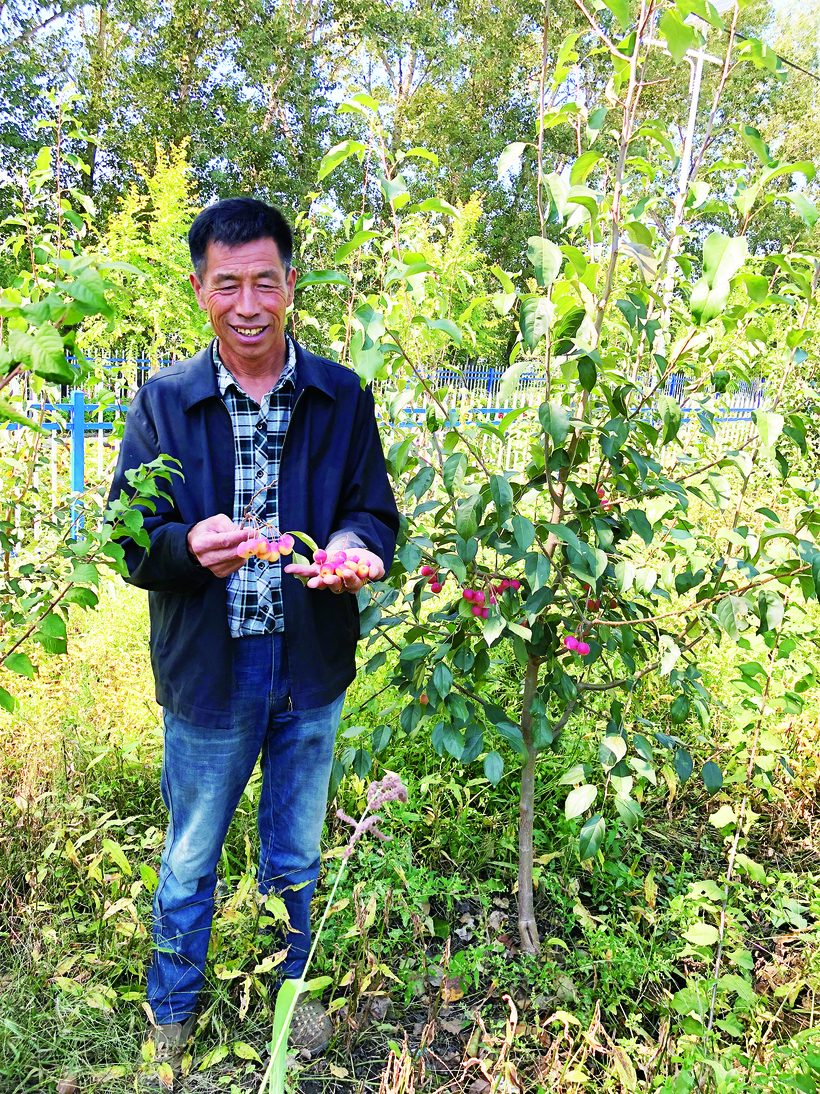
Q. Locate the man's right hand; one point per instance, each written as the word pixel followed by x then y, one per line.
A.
pixel 214 541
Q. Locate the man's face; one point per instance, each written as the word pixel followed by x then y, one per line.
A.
pixel 246 293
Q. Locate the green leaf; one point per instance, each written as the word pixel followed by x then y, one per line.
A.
pixel 511 379
pixel 117 856
pixel 361 762
pixel 454 470
pixel 467 516
pixel 547 259
pixel 502 496
pixel 639 524
pixel 245 1051
pixel 88 289
pixel 587 373
pixel 582 167
pixel 730 613
pixel 628 810
pixel 53 625
pixel 48 356
pixel 722 258
pixel 643 257
pixel 688 1000
pixel 702 934
pixel 452 741
pixel 769 426
pixel 322 277
pixel 493 767
pixel 534 319
pixel 510 157
pixel 770 608
pixel 7 701
pixel 611 750
pixel 579 800
pixel 523 531
pixel 214 1056
pixel 85 573
pixel 9 414
pixel 448 326
pixel 679 36
pixel 671 416
pixel 338 154
pixel 554 419
pixel 679 710
pixel 683 764
pixel 381 738
pixel 620 9
pixel 712 777
pixel 724 817
pixel 591 837
pixel 442 681
pixel 20 663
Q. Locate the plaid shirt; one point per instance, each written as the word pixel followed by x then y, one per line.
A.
pixel 254 591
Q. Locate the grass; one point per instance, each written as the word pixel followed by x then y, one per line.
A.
pixel 420 948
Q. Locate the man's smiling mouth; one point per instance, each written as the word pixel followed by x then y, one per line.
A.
pixel 249 332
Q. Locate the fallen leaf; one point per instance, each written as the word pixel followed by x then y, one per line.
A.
pixel 451 990
pixel 453 1026
pixel 338 1072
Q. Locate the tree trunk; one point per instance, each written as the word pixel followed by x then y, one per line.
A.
pixel 527 930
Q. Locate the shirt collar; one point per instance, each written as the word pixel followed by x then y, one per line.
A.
pixel 225 378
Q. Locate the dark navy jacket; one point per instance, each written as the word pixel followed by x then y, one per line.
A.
pixel 332 477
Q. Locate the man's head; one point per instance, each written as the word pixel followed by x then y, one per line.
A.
pixel 242 251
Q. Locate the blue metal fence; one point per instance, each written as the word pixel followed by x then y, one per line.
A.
pixel 482 381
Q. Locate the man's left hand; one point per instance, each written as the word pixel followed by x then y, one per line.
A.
pixel 347 582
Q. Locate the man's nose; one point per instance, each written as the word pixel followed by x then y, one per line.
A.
pixel 247 304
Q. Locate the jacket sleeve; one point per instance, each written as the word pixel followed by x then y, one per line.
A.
pixel 367 509
pixel 167 566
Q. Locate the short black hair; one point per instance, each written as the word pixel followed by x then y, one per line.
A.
pixel 235 221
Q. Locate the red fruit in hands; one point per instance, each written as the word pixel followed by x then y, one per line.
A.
pixel 320 557
pixel 435 586
pixel 244 549
pixel 363 570
pixel 326 572
pixel 286 544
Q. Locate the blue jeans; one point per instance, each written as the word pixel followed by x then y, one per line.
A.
pixel 204 772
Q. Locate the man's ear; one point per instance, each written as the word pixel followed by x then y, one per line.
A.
pixel 291 283
pixel 198 292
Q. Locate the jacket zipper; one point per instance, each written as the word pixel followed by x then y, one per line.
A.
pixel 278 480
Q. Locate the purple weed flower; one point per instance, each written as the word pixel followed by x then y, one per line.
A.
pixel 390 789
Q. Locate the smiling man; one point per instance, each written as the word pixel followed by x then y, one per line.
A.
pixel 248 662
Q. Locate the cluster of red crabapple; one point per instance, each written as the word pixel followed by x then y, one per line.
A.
pixel 477 597
pixel 268 550
pixel 339 563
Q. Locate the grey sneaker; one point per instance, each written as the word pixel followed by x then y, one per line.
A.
pixel 170 1042
pixel 310 1026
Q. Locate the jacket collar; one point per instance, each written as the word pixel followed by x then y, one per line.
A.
pixel 311 371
